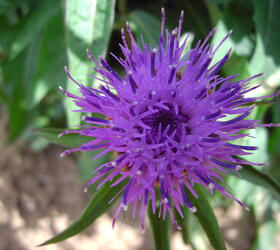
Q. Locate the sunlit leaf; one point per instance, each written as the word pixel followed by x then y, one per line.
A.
pixel 102 27
pixel 188 46
pixel 88 26
pixel 267 232
pixel 261 179
pixel 259 138
pixel 267 227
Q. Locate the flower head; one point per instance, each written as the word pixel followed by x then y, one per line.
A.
pixel 168 120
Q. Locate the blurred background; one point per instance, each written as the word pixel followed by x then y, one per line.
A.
pixel 40 194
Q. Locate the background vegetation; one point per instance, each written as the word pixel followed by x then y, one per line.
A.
pixel 39 38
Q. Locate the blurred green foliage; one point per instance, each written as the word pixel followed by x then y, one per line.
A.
pixel 39 38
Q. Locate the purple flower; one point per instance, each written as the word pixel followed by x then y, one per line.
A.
pixel 163 120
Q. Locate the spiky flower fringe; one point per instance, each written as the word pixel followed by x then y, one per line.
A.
pixel 164 121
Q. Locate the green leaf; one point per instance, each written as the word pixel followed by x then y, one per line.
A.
pixel 87 165
pixel 88 25
pixel 267 232
pixel 183 223
pixel 16 86
pixel 145 24
pixel 103 23
pixel 25 59
pixel 206 218
pixel 237 65
pixel 79 20
pixel 70 140
pixel 188 45
pixel 259 138
pixel 4 6
pixel 257 177
pixel 98 204
pixel 33 25
pixel 160 229
pixel 240 40
pixel 266 57
pixel 51 60
pixel 3 95
pixel 267 227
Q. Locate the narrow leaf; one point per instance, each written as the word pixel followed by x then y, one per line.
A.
pixel 160 230
pixel 70 140
pixel 183 223
pixel 95 208
pixel 87 165
pixel 207 219
pixel 259 178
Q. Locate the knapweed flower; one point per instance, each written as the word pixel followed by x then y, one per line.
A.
pixel 171 121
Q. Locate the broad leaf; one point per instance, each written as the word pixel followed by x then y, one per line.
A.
pixel 98 204
pixel 103 23
pixel 88 26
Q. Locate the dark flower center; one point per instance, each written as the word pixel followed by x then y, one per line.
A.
pixel 164 118
pixel 166 123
